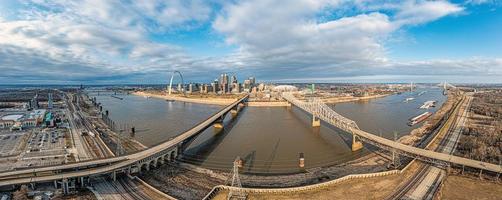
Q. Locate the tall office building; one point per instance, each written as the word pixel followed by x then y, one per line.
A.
pixel 246 85
pixel 190 88
pixel 252 79
pixel 215 86
pixel 49 101
pixel 234 79
pixel 236 88
pixel 224 83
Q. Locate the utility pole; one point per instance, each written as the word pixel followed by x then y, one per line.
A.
pixel 395 156
pixel 236 182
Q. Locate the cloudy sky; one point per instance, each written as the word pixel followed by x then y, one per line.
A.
pixel 127 41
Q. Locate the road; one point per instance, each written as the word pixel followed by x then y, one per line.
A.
pixel 424 184
pixel 112 164
pixel 328 115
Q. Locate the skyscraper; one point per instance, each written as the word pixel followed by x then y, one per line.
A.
pixel 224 83
pixel 252 79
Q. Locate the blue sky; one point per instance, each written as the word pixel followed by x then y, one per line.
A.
pixel 123 41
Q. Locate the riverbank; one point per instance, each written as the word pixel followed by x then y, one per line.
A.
pixel 225 101
pixel 332 100
pixel 432 123
pixel 267 103
pixel 187 181
pixel 207 100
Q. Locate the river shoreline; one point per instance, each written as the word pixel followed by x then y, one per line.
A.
pixel 226 101
pixel 209 101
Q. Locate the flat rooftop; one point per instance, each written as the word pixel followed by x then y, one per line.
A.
pixel 14 117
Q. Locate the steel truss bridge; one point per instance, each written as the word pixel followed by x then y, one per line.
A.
pixel 133 163
pixel 320 110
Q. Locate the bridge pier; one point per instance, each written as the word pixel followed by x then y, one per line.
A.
pixel 82 184
pixel 65 186
pixel 161 160
pixel 234 111
pixel 356 145
pixel 218 124
pixel 316 122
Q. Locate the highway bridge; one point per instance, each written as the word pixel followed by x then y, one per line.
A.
pixel 320 111
pixel 79 173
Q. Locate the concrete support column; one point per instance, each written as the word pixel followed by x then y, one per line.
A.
pixel 356 145
pixel 218 124
pixel 82 182
pixel 55 184
pixel 316 122
pixel 114 175
pixel 234 111
pixel 65 187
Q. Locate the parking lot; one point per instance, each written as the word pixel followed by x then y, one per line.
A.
pixel 11 143
pixel 47 139
pixel 36 147
pixel 45 147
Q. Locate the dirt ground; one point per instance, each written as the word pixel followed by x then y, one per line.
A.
pixel 364 189
pixel 459 187
pixel 370 188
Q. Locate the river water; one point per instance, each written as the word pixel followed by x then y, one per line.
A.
pixel 268 139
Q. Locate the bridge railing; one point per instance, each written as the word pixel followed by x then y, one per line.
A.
pixel 319 109
pixel 322 111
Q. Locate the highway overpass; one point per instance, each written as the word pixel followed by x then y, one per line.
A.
pixel 79 172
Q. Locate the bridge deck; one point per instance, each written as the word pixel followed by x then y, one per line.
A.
pixel 114 163
pixel 319 109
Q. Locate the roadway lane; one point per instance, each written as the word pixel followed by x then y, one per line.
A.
pixel 326 114
pixel 124 162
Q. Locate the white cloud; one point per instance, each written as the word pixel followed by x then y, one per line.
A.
pixel 291 38
pixel 110 35
pixel 110 40
pixel 425 11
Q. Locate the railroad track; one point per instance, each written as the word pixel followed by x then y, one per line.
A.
pixel 401 191
pixel 425 168
pixel 133 190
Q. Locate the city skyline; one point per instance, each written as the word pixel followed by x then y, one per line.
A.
pixel 107 42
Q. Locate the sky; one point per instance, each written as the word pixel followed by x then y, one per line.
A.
pixel 144 42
